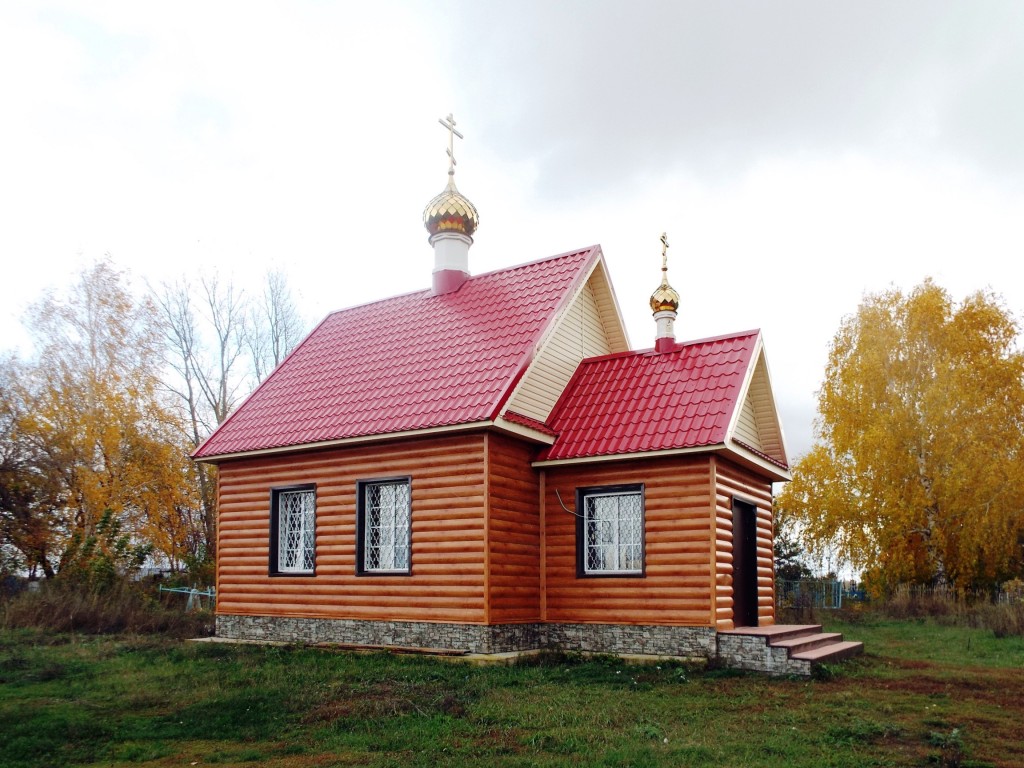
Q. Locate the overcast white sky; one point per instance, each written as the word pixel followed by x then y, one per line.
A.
pixel 799 154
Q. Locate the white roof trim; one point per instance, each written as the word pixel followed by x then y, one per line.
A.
pixel 522 430
pixel 745 454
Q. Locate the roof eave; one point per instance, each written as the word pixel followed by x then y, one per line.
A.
pixel 734 451
pixel 519 430
pixel 629 456
pixel 346 441
pixel 778 472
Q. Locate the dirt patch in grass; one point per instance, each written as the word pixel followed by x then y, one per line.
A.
pixel 911 664
pixel 382 700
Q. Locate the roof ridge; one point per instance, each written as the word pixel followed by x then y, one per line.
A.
pixel 679 347
pixel 574 252
pixel 470 279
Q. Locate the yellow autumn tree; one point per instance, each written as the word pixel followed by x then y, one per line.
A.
pixel 918 462
pixel 94 417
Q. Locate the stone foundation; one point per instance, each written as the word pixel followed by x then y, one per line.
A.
pixel 619 639
pixel 469 638
pixel 754 653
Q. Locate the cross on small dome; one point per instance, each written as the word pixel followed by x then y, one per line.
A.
pixel 665 298
pixel 451 211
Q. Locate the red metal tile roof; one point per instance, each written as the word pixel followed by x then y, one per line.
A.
pixel 410 362
pixel 645 401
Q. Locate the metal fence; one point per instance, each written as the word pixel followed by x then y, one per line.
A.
pixel 809 593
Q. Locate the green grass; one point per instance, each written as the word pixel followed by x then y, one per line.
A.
pixel 924 694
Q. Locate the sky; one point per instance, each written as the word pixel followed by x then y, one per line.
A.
pixel 798 154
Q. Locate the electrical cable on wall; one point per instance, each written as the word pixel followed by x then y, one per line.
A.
pixel 559 497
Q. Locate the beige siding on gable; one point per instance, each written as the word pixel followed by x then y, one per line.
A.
pixel 608 310
pixel 758 421
pixel 580 333
pixel 746 427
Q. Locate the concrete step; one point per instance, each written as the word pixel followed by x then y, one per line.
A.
pixel 776 632
pixel 807 642
pixel 825 654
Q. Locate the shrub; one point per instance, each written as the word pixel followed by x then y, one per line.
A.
pixel 122 606
pixel 98 561
pixel 1004 619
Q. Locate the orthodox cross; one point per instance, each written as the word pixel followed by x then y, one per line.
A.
pixel 664 252
pixel 449 123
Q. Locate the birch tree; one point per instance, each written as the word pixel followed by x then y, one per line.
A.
pixel 89 426
pixel 218 345
pixel 918 462
pixel 275 326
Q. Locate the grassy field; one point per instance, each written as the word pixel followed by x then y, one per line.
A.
pixel 924 694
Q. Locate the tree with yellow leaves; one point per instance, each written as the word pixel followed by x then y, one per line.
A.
pixel 93 426
pixel 917 468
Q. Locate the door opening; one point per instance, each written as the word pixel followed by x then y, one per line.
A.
pixel 744 564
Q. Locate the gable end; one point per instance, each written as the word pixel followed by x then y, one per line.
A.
pixel 757 424
pixel 590 326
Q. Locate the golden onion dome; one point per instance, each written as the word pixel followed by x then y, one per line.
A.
pixel 665 298
pixel 451 211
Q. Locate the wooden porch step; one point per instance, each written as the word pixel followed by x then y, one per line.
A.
pixel 775 632
pixel 831 652
pixel 800 643
pixel 783 649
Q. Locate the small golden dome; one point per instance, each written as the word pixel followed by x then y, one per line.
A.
pixel 664 298
pixel 451 211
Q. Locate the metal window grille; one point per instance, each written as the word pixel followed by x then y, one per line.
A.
pixel 386 527
pixel 296 520
pixel 613 527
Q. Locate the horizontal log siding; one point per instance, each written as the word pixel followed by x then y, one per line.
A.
pixel 514 532
pixel 735 481
pixel 676 587
pixel 447 581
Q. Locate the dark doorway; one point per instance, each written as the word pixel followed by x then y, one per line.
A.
pixel 744 564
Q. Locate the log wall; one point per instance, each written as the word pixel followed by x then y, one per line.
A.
pixel 491 543
pixel 513 532
pixel 733 481
pixel 676 588
pixel 448 534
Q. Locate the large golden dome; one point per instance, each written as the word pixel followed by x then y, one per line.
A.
pixel 451 211
pixel 665 298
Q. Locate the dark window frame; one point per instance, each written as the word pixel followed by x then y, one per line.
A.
pixel 275 529
pixel 581 540
pixel 361 488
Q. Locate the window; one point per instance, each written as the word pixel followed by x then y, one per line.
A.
pixel 610 531
pixel 384 527
pixel 293 530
